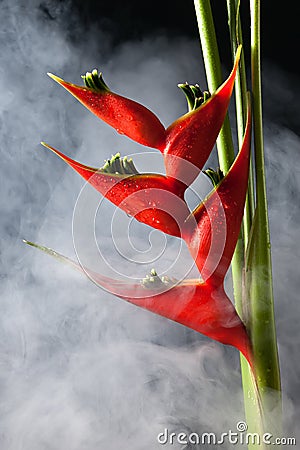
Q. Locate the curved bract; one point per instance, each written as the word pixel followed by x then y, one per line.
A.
pixel 150 198
pixel 126 116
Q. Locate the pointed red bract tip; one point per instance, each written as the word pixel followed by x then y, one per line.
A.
pixel 149 198
pixel 126 116
pixel 193 136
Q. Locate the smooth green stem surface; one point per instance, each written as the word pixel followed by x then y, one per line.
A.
pixel 262 292
pixel 259 268
pixel 254 416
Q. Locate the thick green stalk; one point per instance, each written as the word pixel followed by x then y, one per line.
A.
pixel 251 396
pixel 224 143
pixel 259 269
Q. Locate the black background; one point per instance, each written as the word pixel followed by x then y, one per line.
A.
pixel 136 18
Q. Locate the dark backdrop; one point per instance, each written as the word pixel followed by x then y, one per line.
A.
pixel 134 19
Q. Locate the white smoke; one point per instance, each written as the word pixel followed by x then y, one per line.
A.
pixel 81 369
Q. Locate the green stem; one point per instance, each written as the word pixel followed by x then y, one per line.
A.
pixel 259 268
pixel 251 396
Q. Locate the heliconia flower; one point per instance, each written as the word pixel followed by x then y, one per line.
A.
pixel 153 199
pixel 210 231
pixel 197 305
pixel 201 305
pixel 191 137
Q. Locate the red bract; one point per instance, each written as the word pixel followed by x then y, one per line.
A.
pixel 126 116
pixel 150 198
pixel 219 218
pixel 191 137
pixel 199 306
